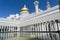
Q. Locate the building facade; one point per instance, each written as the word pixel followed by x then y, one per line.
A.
pixel 48 20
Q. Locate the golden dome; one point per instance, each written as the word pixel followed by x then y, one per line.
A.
pixel 24 9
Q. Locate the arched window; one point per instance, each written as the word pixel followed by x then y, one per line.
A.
pixel 15 28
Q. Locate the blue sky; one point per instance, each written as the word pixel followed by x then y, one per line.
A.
pixel 8 7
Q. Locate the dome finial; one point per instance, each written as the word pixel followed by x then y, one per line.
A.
pixel 24 6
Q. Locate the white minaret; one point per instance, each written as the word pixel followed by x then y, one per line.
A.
pixel 36 3
pixel 48 5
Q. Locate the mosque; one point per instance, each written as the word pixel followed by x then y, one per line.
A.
pixel 48 20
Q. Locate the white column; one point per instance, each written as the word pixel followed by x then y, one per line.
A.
pixel 1 28
pixel 55 25
pixel 59 26
pixel 12 28
pixel 44 26
pixel 8 28
pixel 38 27
pixel 51 26
pixel 4 28
pixel 47 26
pixel 35 27
pixel 32 27
pixel 41 27
pixel 18 29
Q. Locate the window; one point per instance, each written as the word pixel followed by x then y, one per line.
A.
pixel 15 28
